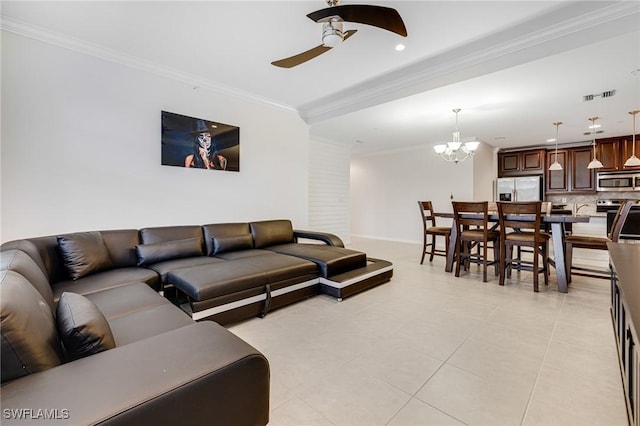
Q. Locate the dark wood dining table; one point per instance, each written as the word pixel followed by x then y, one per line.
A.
pixel 556 221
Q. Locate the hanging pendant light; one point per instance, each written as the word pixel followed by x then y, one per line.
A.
pixel 633 161
pixel 595 163
pixel 556 165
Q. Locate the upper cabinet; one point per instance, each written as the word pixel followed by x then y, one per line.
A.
pixel 574 176
pixel 558 180
pixel 517 163
pixel 582 178
pixel 613 152
pixel 608 152
pixel 626 148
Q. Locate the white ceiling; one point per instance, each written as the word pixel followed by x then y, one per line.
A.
pixel 513 67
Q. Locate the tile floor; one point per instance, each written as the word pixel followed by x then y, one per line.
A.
pixel 431 349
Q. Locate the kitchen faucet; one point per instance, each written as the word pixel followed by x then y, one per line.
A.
pixel 578 207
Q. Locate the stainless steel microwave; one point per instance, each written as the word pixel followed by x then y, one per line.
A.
pixel 618 181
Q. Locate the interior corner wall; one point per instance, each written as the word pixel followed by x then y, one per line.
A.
pixel 386 188
pixel 81 149
pixel 485 172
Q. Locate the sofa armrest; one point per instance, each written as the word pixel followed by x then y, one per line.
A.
pixel 200 374
pixel 329 239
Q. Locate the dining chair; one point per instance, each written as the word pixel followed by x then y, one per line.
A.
pixel 431 230
pixel 545 209
pixel 524 233
pixel 474 214
pixel 595 243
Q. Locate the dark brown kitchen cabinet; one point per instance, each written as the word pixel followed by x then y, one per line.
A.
pixel 582 178
pixel 627 150
pixel 517 163
pixel 608 152
pixel 574 176
pixel 557 180
pixel 614 152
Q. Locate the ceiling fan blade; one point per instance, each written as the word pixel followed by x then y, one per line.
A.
pixel 378 16
pixel 303 57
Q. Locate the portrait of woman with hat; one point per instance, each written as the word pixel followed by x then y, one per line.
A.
pixel 205 155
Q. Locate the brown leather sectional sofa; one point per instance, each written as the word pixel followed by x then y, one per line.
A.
pixel 88 338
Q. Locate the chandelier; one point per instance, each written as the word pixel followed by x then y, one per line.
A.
pixel 456 151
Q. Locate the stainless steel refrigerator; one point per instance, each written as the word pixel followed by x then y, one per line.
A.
pixel 525 188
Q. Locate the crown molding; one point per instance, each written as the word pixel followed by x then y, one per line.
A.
pixel 77 45
pixel 568 27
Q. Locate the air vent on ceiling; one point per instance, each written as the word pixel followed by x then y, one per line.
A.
pixel 607 94
pixel 590 133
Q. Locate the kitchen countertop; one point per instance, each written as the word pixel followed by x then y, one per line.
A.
pixel 624 258
pixel 582 213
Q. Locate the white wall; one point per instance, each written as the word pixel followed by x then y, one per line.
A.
pixel 81 149
pixel 386 187
pixel 329 188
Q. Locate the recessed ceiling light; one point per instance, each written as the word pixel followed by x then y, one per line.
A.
pixel 595 126
pixel 551 140
pixel 400 47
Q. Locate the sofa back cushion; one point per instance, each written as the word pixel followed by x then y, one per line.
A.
pixel 30 342
pixel 20 262
pixel 121 244
pixel 271 232
pixel 163 234
pixel 82 327
pixel 226 237
pixel 50 257
pixel 157 252
pixel 84 253
pixel 30 249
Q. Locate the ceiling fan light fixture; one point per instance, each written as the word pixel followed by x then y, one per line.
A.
pixel 332 34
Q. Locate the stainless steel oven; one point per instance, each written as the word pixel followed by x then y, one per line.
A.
pixel 618 181
pixel 631 227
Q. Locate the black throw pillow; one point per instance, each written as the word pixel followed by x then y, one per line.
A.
pixel 157 252
pixel 83 329
pixel 237 242
pixel 84 253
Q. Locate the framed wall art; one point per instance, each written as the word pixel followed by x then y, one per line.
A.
pixel 198 143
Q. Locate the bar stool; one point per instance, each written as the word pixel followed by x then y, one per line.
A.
pixel 430 229
pixel 536 239
pixel 480 236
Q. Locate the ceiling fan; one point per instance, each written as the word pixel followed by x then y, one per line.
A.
pixel 332 18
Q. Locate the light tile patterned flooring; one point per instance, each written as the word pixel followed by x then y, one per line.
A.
pixel 428 348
